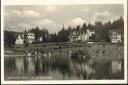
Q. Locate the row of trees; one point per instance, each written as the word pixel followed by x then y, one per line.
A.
pixel 101 32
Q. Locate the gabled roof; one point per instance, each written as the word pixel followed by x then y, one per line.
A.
pixel 91 30
pixel 21 35
pixel 115 31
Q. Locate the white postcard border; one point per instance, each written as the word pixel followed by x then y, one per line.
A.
pixel 54 2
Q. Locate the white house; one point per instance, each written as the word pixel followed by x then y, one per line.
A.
pixel 31 37
pixel 20 39
pixel 82 36
pixel 89 33
pixel 22 36
pixel 40 39
pixel 73 36
pixel 115 36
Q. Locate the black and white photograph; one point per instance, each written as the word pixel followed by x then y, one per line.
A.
pixel 64 42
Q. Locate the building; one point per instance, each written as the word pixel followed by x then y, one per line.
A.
pixel 90 33
pixel 115 36
pixel 20 39
pixel 31 37
pixel 23 36
pixel 73 35
pixel 80 36
pixel 40 39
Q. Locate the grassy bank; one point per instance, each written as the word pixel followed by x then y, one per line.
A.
pixel 66 47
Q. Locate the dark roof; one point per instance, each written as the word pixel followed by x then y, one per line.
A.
pixel 91 29
pixel 21 35
pixel 117 31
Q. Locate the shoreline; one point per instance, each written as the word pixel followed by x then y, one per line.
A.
pixel 62 49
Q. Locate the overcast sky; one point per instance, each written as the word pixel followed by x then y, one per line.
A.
pixel 52 17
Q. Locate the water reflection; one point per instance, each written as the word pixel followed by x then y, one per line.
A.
pixel 19 62
pixel 62 67
pixel 116 66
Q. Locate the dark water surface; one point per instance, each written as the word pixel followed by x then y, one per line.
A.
pixel 62 67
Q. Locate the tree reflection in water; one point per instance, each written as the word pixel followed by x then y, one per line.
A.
pixel 57 66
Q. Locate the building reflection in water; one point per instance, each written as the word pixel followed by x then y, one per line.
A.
pixel 61 67
pixel 116 66
pixel 19 62
pixel 31 66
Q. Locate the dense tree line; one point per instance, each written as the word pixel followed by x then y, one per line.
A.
pixel 9 38
pixel 101 32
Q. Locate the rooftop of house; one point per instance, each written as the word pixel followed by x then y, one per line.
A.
pixel 91 30
pixel 30 33
pixel 80 32
pixel 21 35
pixel 118 31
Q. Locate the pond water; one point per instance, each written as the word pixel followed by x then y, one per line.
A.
pixel 61 67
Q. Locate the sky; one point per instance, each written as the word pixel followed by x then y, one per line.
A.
pixel 53 17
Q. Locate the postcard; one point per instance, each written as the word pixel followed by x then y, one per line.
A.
pixel 64 42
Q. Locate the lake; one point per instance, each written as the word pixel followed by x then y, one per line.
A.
pixel 63 67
